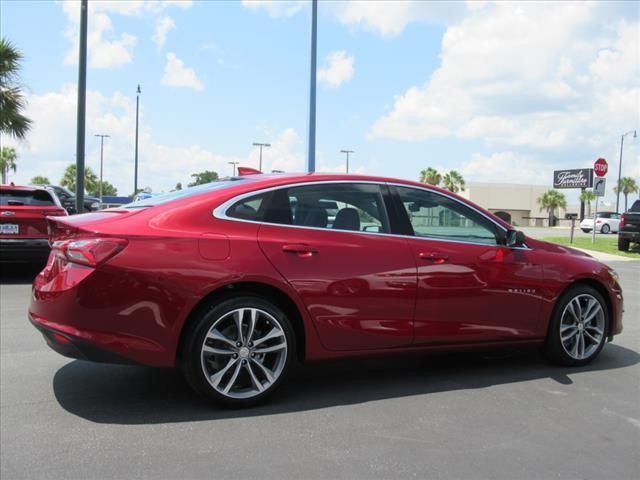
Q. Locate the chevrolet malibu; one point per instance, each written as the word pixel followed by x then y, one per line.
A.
pixel 233 281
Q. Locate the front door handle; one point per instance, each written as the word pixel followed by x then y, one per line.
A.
pixel 301 249
pixel 434 256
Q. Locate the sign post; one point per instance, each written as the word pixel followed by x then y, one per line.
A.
pixel 600 168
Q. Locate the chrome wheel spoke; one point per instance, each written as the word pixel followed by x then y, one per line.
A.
pixel 267 373
pixel 272 348
pixel 215 379
pixel 570 334
pixel 216 335
pixel 252 324
pixel 592 314
pixel 594 329
pixel 234 377
pixel 591 337
pixel 237 316
pixel 273 333
pixel 217 351
pixel 257 383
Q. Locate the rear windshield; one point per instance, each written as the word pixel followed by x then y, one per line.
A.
pixel 635 207
pixel 187 192
pixel 25 197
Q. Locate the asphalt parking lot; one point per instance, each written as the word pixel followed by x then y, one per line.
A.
pixel 483 415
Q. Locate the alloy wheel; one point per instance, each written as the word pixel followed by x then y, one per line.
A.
pixel 582 326
pixel 244 353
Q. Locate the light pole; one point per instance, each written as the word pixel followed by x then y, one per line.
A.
pixel 347 152
pixel 81 114
pixel 257 144
pixel 635 135
pixel 234 163
pixel 135 174
pixel 102 137
pixel 311 156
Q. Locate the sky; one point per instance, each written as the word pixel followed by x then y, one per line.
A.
pixel 501 92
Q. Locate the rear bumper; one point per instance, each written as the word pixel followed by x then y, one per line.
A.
pixel 628 235
pixel 74 347
pixel 24 249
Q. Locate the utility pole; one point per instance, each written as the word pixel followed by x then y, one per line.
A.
pixel 82 96
pixel 635 135
pixel 256 144
pixel 135 174
pixel 311 156
pixel 234 163
pixel 347 152
pixel 102 137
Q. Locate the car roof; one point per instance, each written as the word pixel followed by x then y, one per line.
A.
pixel 23 188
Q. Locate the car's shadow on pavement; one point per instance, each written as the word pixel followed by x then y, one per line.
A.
pixel 141 395
pixel 19 273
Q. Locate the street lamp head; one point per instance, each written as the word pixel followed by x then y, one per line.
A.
pixel 635 134
pixel 138 91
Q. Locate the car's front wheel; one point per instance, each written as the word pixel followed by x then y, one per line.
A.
pixel 577 331
pixel 238 352
pixel 605 229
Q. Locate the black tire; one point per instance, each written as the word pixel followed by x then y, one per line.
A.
pixel 554 348
pixel 605 229
pixel 586 230
pixel 193 362
pixel 623 244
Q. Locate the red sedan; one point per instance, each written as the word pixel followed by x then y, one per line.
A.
pixel 23 222
pixel 234 280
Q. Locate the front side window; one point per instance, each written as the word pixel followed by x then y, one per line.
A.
pixel 354 207
pixel 436 216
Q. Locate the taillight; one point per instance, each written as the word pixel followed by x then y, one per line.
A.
pixel 91 251
pixel 621 222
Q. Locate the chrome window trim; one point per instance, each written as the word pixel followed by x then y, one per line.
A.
pixel 220 212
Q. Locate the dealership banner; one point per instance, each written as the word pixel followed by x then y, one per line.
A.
pixel 576 178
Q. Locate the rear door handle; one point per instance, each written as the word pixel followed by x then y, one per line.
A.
pixel 434 256
pixel 301 249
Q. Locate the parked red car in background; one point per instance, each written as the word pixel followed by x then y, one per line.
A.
pixel 234 280
pixel 23 222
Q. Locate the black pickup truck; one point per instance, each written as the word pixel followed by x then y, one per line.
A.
pixel 629 227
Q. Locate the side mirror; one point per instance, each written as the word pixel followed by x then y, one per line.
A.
pixel 515 238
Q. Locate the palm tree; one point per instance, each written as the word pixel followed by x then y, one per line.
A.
pixel 8 157
pixel 550 200
pixel 91 182
pixel 627 185
pixel 454 182
pixel 430 176
pixel 587 196
pixel 12 101
pixel 40 180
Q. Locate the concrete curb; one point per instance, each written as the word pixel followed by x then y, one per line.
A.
pixel 607 257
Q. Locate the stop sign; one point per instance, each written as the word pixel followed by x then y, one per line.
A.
pixel 601 167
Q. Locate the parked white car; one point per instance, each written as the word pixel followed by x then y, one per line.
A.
pixel 606 222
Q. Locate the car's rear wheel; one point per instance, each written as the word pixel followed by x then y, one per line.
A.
pixel 239 351
pixel 586 230
pixel 605 229
pixel 577 331
pixel 623 244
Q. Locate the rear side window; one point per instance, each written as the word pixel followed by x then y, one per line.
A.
pixel 248 209
pixel 351 207
pixel 26 198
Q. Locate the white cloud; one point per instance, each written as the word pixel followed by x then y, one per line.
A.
pixel 390 17
pixel 106 48
pixel 176 74
pixel 163 26
pixel 51 145
pixel 535 75
pixel 337 70
pixel 508 167
pixel 275 8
